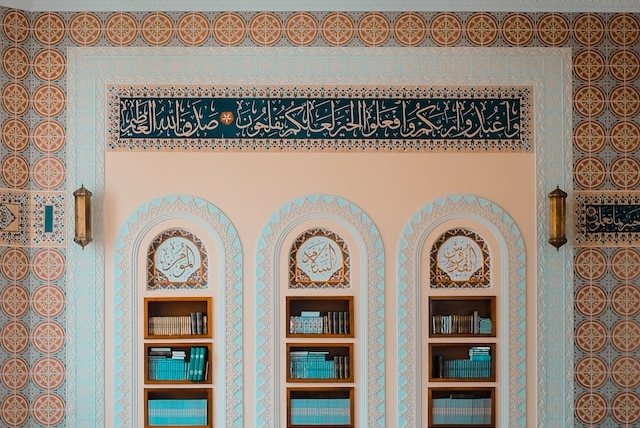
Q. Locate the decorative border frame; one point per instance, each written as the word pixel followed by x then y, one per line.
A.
pixel 91 69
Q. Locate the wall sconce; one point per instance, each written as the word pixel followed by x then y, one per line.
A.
pixel 83 216
pixel 557 218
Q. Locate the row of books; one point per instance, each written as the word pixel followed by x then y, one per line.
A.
pixel 172 364
pixel 312 322
pixel 457 410
pixel 317 365
pixel 177 412
pixel 460 369
pixel 195 323
pixel 320 411
pixel 460 324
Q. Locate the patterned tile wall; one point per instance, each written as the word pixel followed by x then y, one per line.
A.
pixel 606 117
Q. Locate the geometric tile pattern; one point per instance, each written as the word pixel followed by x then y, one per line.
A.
pixel 606 109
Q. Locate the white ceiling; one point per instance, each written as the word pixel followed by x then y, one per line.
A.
pixel 326 5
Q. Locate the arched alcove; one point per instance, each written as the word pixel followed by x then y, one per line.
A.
pixel 367 269
pixel 508 272
pixel 225 286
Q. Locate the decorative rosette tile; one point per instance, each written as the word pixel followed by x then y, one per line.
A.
pixel 338 29
pixel 15 26
pixel 85 29
pixel 15 98
pixel 49 65
pixel 446 29
pixel 410 29
pixel 15 134
pixel 14 410
pixel 624 65
pixel 589 101
pixel 588 29
pixel 229 29
pixel 265 29
pixel 48 265
pixel 49 136
pixel 121 29
pixel 625 101
pixel 15 171
pixel 14 264
pixel 591 336
pixel 553 29
pixel 625 264
pixel 48 172
pixel 589 137
pixel 49 29
pixel 590 172
pixel 590 300
pixel 589 65
pixel 624 29
pixel 49 100
pixel 481 29
pixel 624 136
pixel 48 409
pixel 625 408
pixel 14 373
pixel 625 173
pixel 591 371
pixel 48 337
pixel 157 29
pixel 625 335
pixel 301 29
pixel 15 62
pixel 591 408
pixel 373 29
pixel 625 300
pixel 590 264
pixel 48 373
pixel 193 29
pixel 517 29
pixel 15 337
pixel 14 300
pixel 48 301
pixel 625 371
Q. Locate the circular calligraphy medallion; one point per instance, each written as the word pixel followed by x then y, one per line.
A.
pixel 459 257
pixel 319 257
pixel 176 260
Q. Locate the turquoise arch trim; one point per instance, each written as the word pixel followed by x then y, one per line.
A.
pixel 512 302
pixel 371 408
pixel 127 244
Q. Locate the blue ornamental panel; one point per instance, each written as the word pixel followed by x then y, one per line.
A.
pixel 369 118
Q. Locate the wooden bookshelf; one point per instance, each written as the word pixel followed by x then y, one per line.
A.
pixel 178 356
pixel 461 360
pixel 324 327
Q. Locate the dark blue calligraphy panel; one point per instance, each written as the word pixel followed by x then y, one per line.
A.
pixel 320 118
pixel 609 218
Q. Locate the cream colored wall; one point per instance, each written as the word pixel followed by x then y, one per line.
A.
pixel 389 187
